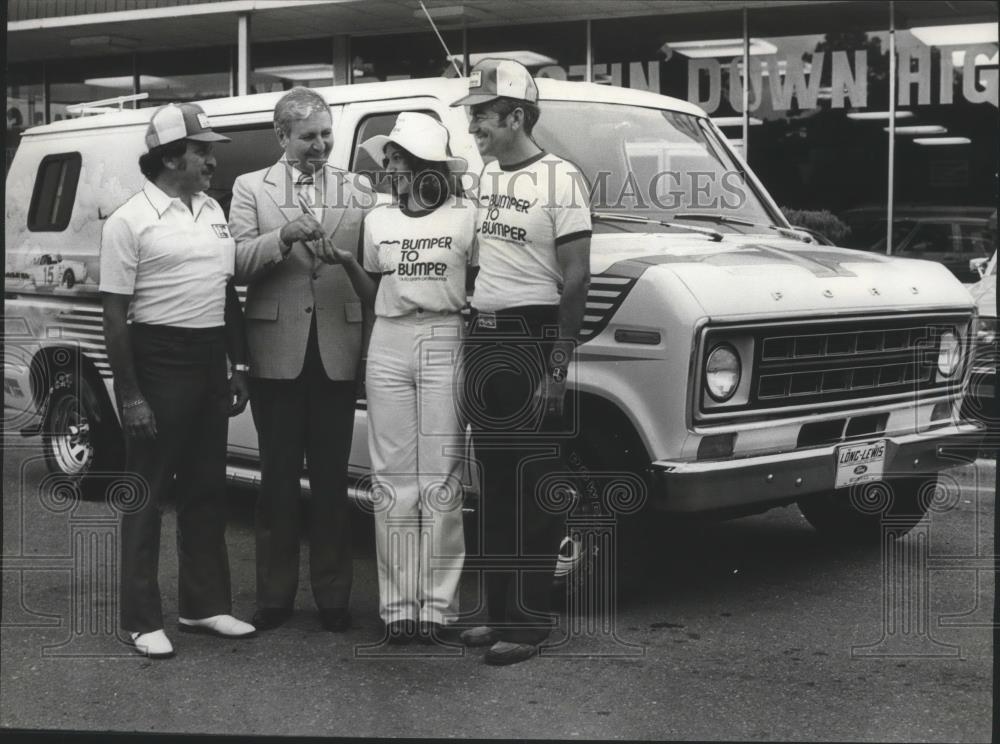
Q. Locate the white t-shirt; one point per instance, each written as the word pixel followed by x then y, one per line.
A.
pixel 175 262
pixel 422 258
pixel 525 211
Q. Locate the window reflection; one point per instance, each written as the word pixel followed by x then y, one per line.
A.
pixel 548 50
pixel 84 80
pixel 182 75
pixel 281 65
pixel 402 56
pixel 947 152
pixel 25 108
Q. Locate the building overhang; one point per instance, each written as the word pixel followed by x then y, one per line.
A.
pixel 208 24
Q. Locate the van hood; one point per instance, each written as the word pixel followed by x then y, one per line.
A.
pixel 776 275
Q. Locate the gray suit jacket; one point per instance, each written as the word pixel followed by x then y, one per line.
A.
pixel 284 293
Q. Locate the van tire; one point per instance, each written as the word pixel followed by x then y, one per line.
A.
pixel 612 447
pixel 79 435
pixel 862 515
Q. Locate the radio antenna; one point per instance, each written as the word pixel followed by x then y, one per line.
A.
pixel 447 51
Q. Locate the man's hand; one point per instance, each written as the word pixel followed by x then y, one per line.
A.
pixel 138 421
pixel 551 396
pixel 329 253
pixel 239 393
pixel 303 228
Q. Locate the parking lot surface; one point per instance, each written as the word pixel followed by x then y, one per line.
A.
pixel 753 629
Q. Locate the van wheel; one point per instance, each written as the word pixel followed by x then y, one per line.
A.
pixel 76 438
pixel 69 278
pixel 861 514
pixel 608 463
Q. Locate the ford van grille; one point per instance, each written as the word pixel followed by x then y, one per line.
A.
pixel 813 363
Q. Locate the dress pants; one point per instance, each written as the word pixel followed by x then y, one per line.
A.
pixel 312 416
pixel 415 441
pixel 182 375
pixel 506 355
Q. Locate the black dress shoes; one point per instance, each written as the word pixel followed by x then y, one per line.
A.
pixel 503 653
pixel 481 635
pixel 268 618
pixel 335 620
pixel 400 632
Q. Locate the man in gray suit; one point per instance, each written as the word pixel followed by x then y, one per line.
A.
pixel 304 331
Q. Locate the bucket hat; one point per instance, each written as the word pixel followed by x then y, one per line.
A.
pixel 420 134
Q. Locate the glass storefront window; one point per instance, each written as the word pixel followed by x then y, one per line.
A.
pixel 948 150
pixel 679 55
pixel 184 75
pixel 807 91
pixel 282 65
pixel 403 56
pixel 25 106
pixel 547 49
pixel 83 80
pixel 819 104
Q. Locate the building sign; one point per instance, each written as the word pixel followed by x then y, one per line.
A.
pixel 788 80
pixel 789 77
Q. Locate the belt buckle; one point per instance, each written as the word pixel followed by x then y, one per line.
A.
pixel 487 320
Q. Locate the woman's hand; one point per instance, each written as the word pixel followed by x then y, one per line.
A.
pixel 331 254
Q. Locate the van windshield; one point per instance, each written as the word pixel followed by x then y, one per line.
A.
pixel 650 163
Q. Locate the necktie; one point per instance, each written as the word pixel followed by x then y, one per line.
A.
pixel 305 189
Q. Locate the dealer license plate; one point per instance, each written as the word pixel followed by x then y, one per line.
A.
pixel 860 463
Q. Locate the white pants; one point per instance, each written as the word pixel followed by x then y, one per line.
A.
pixel 415 442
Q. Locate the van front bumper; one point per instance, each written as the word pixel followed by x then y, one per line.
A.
pixel 711 485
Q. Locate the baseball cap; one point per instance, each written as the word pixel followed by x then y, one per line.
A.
pixel 493 78
pixel 178 121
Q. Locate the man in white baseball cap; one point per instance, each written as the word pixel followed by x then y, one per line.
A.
pixel 180 121
pixel 533 234
pixel 496 78
pixel 167 259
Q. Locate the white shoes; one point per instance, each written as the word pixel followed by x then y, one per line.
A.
pixel 226 626
pixel 155 645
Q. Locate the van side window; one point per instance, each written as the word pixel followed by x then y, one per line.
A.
pixel 252 148
pixel 55 191
pixel 368 127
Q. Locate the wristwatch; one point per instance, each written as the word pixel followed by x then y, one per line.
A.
pixel 241 368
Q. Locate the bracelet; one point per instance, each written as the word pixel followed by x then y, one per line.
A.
pixel 241 368
pixel 133 403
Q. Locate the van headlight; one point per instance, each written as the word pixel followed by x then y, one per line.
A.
pixel 949 354
pixel 722 372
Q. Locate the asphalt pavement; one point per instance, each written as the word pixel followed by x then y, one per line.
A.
pixel 752 629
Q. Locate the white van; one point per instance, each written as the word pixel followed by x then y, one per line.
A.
pixel 729 363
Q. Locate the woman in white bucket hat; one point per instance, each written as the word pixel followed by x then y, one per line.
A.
pixel 416 259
